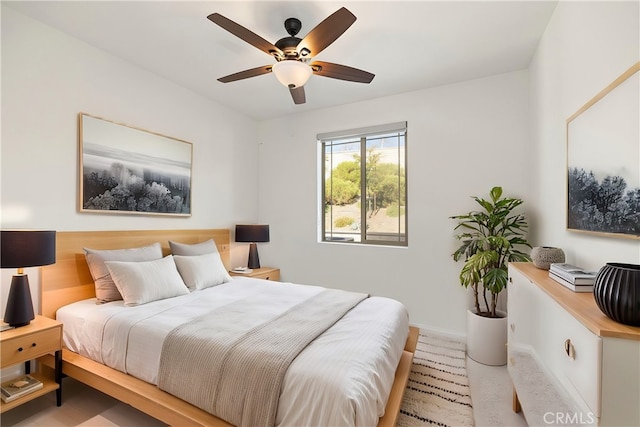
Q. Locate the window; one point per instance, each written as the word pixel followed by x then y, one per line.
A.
pixel 372 210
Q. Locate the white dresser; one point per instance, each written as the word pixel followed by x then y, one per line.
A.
pixel 569 363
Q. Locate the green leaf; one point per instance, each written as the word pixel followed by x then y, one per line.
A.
pixel 495 280
pixel 496 193
pixel 469 276
pixel 486 205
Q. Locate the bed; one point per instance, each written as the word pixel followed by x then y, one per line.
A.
pixel 68 283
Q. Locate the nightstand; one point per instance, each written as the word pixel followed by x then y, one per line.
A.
pixel 266 273
pixel 21 345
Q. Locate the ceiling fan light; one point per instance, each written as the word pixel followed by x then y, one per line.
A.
pixel 292 73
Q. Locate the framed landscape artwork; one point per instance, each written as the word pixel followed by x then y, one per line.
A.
pixel 128 170
pixel 603 161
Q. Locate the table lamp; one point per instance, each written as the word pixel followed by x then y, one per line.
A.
pixel 20 249
pixel 252 234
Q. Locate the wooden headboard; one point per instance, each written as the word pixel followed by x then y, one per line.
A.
pixel 69 279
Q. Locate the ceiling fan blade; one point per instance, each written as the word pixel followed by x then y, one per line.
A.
pixel 341 72
pixel 258 71
pixel 298 95
pixel 246 35
pixel 326 33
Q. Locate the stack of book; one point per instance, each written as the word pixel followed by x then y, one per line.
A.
pixel 572 277
pixel 18 387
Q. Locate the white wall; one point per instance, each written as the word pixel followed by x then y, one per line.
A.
pixel 585 47
pixel 454 134
pixel 462 140
pixel 48 78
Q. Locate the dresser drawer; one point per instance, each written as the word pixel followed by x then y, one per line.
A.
pixel 31 346
pixel 580 354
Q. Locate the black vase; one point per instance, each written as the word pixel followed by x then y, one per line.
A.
pixel 617 292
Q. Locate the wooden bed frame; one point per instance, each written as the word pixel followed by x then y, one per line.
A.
pixel 69 280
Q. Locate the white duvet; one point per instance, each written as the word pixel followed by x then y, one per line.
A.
pixel 343 378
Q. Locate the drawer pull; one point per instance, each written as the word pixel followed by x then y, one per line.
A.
pixel 32 345
pixel 568 348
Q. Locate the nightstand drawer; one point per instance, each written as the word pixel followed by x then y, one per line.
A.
pixel 31 346
pixel 269 275
pixel 266 273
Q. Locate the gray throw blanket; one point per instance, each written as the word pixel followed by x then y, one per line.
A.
pixel 237 376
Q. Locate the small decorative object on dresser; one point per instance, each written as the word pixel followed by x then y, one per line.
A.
pixel 617 292
pixel 544 256
pixel 572 277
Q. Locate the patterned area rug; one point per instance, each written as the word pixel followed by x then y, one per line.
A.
pixel 438 389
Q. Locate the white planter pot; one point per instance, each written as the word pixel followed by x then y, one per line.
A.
pixel 487 338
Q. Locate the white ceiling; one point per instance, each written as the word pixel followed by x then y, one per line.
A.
pixel 408 45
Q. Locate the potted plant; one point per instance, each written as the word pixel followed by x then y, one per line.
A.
pixel 490 239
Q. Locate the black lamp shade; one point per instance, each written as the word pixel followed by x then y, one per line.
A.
pixel 27 248
pixel 252 233
pixel 19 249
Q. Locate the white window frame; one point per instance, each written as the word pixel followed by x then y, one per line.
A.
pixel 362 134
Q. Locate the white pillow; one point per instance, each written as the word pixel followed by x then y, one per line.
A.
pixel 187 249
pixel 106 290
pixel 143 282
pixel 202 271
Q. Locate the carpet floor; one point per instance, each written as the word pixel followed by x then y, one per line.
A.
pixel 438 390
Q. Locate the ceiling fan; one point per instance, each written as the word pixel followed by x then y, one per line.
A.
pixel 293 55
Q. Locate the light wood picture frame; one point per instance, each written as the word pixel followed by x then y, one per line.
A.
pixel 603 161
pixel 127 170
